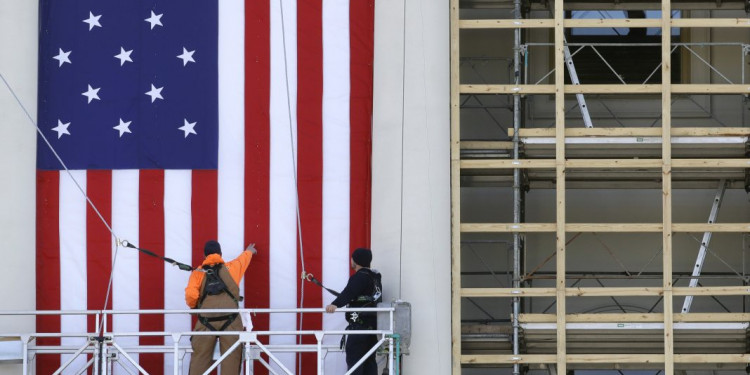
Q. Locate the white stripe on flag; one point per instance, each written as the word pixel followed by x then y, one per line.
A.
pixel 125 293
pixel 282 220
pixel 335 163
pixel 73 262
pixel 177 245
pixel 231 174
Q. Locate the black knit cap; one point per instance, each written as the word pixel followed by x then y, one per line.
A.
pixel 211 247
pixel 362 256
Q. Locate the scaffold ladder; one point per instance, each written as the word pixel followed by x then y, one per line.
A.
pixel 574 79
pixel 700 260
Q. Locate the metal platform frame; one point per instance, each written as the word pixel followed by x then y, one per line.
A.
pixel 107 350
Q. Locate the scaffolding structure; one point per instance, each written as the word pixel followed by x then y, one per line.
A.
pixel 565 157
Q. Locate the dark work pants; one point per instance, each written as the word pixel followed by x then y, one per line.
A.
pixel 356 347
pixel 203 349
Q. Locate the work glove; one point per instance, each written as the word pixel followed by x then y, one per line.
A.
pixel 251 248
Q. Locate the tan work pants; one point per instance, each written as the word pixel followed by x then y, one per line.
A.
pixel 203 349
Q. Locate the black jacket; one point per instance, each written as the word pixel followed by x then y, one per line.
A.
pixel 362 283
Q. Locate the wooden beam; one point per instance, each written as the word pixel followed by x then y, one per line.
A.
pixel 712 291
pixel 712 358
pixel 604 227
pixel 499 359
pixel 507 292
pixel 666 156
pixel 592 318
pixel 614 227
pixel 711 163
pixel 708 132
pixel 613 163
pixel 507 24
pixel 507 227
pixel 710 89
pixel 611 22
pixel 560 198
pixel 602 163
pixel 711 22
pixel 486 145
pixel 613 292
pixel 632 132
pixel 455 129
pixel 615 358
pixel 614 89
pixel 606 292
pixel 507 89
pixel 570 227
pixel 589 132
pixel 705 227
pixel 637 317
pixel 507 164
pixel 713 317
pixel 545 23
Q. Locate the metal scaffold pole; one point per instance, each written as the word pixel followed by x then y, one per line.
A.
pixel 516 182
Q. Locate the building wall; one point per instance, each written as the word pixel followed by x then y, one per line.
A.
pixel 411 171
pixel 18 43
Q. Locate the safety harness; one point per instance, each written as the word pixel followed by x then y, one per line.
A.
pixel 215 285
pixel 370 300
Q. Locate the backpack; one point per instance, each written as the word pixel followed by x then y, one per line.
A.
pixel 214 284
pixel 377 290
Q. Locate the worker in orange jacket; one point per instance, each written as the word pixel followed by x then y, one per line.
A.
pixel 215 285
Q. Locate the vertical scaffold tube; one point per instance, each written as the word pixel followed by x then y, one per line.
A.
pixel 516 181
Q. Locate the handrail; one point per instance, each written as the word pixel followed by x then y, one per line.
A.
pixel 106 344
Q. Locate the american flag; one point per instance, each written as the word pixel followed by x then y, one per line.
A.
pixel 181 121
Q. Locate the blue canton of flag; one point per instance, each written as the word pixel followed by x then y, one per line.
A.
pixel 129 84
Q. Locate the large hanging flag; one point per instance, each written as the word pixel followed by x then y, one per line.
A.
pixel 185 121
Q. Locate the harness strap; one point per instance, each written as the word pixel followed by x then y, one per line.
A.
pixel 309 277
pixel 171 261
pixel 207 321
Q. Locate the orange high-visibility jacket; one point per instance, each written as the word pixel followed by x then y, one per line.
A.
pixel 236 268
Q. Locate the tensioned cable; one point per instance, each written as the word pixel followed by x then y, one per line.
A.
pixel 403 126
pixel 83 192
pixel 296 186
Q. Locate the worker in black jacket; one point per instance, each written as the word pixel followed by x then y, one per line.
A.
pixel 362 290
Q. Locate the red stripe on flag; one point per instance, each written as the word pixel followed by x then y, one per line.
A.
pixel 98 244
pixel 310 160
pixel 204 213
pixel 257 156
pixel 361 32
pixel 48 264
pixel 151 270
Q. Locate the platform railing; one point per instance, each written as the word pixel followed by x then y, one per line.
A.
pixel 107 350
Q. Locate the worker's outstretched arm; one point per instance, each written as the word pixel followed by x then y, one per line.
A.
pixel 238 266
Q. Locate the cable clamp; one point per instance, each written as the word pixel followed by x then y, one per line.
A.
pixel 306 276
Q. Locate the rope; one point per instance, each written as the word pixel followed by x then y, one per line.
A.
pixel 296 186
pixel 78 185
pixel 91 204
